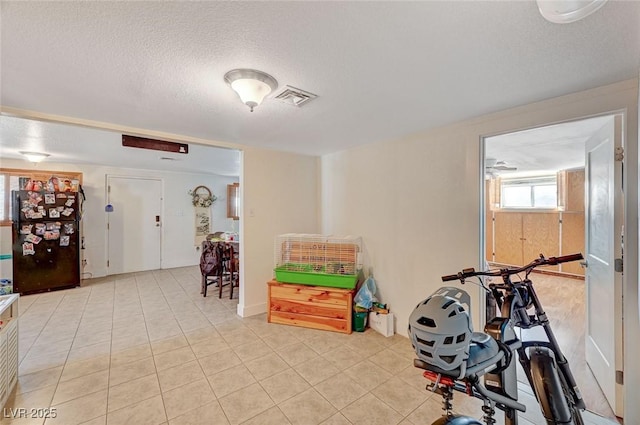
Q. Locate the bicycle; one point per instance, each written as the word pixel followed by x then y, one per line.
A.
pixel 455 358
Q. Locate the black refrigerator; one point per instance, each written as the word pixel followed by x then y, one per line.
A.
pixel 46 251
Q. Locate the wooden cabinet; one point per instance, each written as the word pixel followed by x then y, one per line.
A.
pixel 508 238
pixel 516 237
pixel 573 189
pixel 488 221
pixel 572 240
pixel 541 235
pixel 315 307
pixel 521 237
pixel 573 219
pixel 8 346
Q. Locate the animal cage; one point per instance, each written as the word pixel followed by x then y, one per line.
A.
pixel 318 260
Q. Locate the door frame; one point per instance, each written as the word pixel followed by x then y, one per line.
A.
pixel 619 331
pixel 106 215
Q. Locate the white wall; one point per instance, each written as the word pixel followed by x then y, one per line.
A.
pixel 279 195
pixel 416 202
pixel 178 222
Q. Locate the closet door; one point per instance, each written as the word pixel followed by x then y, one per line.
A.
pixel 573 240
pixel 573 220
pixel 541 235
pixel 508 238
pixel 488 224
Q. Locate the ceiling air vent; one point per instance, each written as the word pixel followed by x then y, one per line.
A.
pixel 296 97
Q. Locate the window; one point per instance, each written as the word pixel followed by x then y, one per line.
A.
pixel 233 201
pixel 529 193
pixel 3 207
pixel 8 182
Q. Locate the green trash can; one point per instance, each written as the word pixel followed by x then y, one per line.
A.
pixel 360 320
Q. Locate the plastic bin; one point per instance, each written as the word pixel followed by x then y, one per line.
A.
pixel 360 320
pixel 6 287
pixel 309 277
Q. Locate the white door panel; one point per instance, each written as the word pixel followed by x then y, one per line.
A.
pixel 603 179
pixel 134 226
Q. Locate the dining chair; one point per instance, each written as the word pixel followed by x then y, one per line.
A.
pixel 211 265
pixel 230 269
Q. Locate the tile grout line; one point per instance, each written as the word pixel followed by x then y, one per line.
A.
pixel 198 361
pixel 113 309
pixel 111 348
pixel 41 329
pixel 70 348
pixel 39 333
pixel 153 358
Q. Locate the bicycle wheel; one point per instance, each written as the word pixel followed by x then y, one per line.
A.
pixel 576 414
pixel 549 389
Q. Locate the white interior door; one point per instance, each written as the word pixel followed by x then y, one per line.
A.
pixel 603 245
pixel 134 226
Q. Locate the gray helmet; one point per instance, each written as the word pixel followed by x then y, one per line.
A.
pixel 440 329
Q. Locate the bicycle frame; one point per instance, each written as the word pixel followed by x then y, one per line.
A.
pixel 515 308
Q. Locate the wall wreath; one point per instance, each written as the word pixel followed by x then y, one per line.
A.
pixel 202 197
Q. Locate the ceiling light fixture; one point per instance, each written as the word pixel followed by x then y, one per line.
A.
pixel 252 86
pixel 34 157
pixel 567 11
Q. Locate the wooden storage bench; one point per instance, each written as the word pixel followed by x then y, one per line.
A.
pixel 315 307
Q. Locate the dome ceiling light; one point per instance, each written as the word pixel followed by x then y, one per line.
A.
pixel 34 157
pixel 251 85
pixel 567 11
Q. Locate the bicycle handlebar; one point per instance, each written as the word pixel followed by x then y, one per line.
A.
pixel 552 261
pixel 565 259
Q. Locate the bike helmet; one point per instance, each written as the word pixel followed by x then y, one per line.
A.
pixel 440 329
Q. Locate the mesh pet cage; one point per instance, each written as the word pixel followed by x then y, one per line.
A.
pixel 318 260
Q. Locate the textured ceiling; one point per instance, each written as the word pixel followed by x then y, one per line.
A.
pixel 543 150
pixel 81 145
pixel 381 70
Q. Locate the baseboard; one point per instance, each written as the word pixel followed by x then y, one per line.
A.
pixel 173 264
pixel 92 274
pixel 252 310
pixel 560 274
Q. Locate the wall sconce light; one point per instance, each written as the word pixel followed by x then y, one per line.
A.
pixel 567 11
pixel 252 86
pixel 34 157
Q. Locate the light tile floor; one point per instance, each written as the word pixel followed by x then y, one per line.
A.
pixel 148 349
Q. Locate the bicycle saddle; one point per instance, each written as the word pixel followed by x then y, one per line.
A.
pixel 483 353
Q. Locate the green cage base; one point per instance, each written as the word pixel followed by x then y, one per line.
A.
pixel 317 279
